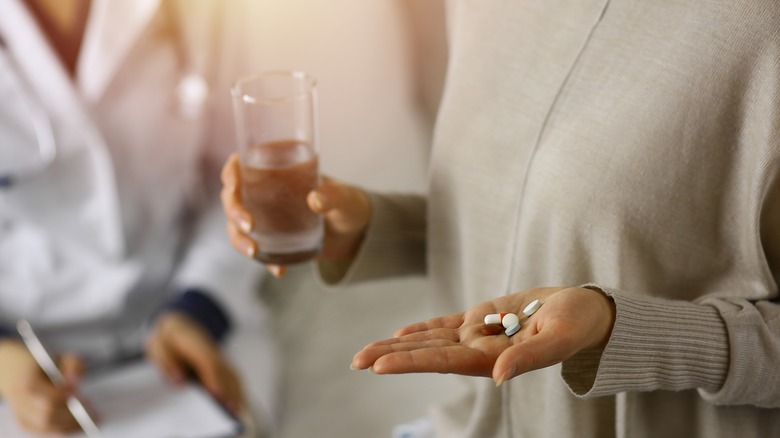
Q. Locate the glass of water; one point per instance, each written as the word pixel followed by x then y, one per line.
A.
pixel 276 125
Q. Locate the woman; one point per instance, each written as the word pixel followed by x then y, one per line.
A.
pixel 625 150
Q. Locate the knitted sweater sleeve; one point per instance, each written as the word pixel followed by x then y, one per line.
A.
pixel 727 349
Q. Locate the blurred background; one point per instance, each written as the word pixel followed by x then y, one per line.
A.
pixel 380 68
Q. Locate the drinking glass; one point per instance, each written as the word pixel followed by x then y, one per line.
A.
pixel 276 125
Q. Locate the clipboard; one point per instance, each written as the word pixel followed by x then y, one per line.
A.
pixel 135 400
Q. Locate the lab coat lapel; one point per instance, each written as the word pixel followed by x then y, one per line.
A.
pixel 53 88
pixel 112 29
pixel 35 57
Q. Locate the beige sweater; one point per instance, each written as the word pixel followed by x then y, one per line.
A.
pixel 634 144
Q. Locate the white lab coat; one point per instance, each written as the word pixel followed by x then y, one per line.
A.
pixel 91 245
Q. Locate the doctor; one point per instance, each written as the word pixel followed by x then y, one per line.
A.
pixel 113 122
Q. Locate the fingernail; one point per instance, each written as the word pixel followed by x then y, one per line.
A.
pixel 371 369
pixel 276 270
pixel 506 376
pixel 317 200
pixel 250 251
pixel 353 367
pixel 245 225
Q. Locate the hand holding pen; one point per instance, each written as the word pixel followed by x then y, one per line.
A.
pixel 39 404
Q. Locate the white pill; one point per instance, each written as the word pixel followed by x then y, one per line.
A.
pixel 493 318
pixel 509 320
pixel 512 330
pixel 532 308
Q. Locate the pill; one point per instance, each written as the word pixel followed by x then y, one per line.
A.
pixel 532 308
pixel 512 330
pixel 509 320
pixel 492 329
pixel 493 318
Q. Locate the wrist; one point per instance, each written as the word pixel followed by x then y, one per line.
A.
pixel 173 320
pixel 336 258
pixel 606 317
pixel 333 271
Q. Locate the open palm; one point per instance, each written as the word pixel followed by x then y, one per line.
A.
pixel 571 320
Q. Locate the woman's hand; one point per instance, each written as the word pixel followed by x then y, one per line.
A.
pixel 570 320
pixel 347 212
pixel 38 404
pixel 179 345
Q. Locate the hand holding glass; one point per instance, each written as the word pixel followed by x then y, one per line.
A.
pixel 276 126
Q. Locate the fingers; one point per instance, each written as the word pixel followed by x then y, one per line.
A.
pixel 231 172
pixel 453 358
pixel 448 334
pixel 43 406
pixel 38 404
pixel 368 356
pixel 371 353
pixel 277 271
pixel 239 220
pixel 347 209
pixel 347 213
pixel 73 368
pixel 180 345
pixel 231 195
pixel 240 241
pixel 450 321
pixel 433 332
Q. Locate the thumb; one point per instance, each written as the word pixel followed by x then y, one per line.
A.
pixel 231 171
pixel 346 208
pixel 539 351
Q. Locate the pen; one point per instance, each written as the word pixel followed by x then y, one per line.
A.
pixel 48 366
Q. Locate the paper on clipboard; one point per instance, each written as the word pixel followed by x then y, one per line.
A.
pixel 136 401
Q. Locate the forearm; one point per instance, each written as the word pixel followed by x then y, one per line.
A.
pixel 655 344
pixel 725 348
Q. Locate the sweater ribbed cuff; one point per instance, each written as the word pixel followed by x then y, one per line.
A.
pixel 7 332
pixel 655 344
pixel 197 305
